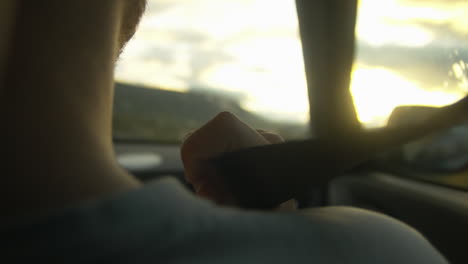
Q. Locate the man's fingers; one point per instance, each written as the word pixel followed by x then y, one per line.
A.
pixel 290 205
pixel 223 133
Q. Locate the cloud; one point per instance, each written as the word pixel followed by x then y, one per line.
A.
pixel 188 44
pixel 445 34
pixel 157 6
pixel 431 2
pixel 429 67
pixel 420 40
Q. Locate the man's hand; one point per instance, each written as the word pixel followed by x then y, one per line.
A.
pixel 224 133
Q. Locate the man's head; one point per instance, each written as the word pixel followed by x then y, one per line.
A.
pixel 133 11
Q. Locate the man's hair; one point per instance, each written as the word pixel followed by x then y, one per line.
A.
pixel 134 9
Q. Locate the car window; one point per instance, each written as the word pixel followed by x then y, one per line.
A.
pixel 409 52
pixel 215 55
pixel 190 60
pixel 412 57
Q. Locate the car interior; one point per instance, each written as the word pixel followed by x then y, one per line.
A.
pixel 370 95
pixel 423 183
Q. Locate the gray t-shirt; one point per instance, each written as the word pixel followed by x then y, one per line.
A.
pixel 164 223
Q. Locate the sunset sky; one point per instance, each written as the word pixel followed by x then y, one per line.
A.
pixel 408 52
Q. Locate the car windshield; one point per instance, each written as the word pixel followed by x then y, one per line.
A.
pixel 197 58
pixel 409 52
pixel 192 59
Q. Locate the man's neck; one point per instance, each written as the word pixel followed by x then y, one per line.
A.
pixel 58 106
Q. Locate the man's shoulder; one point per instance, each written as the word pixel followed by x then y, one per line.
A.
pixel 164 221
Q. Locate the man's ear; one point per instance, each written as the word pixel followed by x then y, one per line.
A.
pixel 7 21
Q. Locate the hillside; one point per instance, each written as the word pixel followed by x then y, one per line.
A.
pixel 165 116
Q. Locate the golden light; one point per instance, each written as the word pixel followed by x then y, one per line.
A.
pixel 379 23
pixel 281 95
pixel 265 64
pixel 270 70
pixel 265 57
pixel 377 91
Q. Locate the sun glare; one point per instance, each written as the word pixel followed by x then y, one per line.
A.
pixel 377 91
pixel 380 23
pixel 238 46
